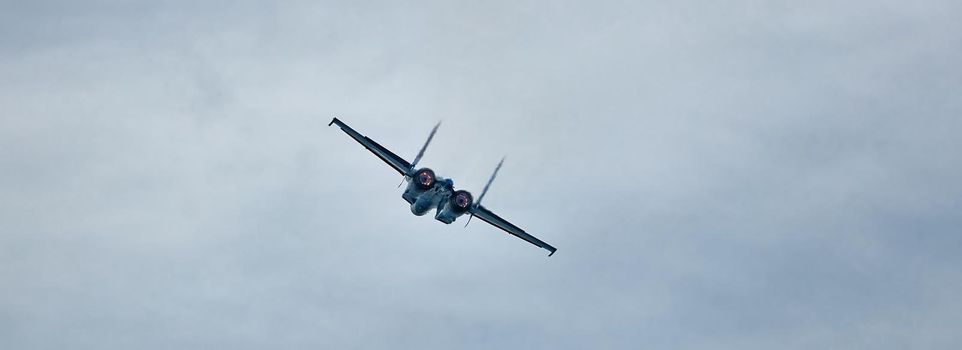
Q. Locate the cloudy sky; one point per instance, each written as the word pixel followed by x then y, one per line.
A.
pixel 733 175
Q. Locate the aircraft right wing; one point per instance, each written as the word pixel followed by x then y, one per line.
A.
pixel 402 166
pixel 493 219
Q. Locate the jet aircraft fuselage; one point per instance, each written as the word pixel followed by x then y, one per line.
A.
pixel 426 191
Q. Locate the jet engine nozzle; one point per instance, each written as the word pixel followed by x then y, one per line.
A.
pixel 461 201
pixel 424 178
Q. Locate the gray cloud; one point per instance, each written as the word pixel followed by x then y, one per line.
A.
pixel 739 175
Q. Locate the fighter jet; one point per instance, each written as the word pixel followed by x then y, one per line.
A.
pixel 427 191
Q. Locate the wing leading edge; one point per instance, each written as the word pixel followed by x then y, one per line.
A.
pixel 402 166
pixel 484 214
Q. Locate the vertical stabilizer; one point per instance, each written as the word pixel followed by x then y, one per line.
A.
pixel 485 190
pixel 488 185
pixel 425 147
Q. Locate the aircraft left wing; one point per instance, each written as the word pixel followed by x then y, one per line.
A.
pixel 402 166
pixel 493 219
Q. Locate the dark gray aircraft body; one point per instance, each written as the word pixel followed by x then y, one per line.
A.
pixel 426 190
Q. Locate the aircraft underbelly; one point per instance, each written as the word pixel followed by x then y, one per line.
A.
pixel 423 203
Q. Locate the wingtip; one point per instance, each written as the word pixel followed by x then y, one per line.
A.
pixel 332 121
pixel 552 252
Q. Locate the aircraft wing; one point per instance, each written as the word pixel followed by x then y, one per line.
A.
pixel 402 166
pixel 493 219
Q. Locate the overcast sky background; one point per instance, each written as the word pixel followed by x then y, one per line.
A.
pixel 715 175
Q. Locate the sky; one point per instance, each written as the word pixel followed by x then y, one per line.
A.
pixel 715 175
